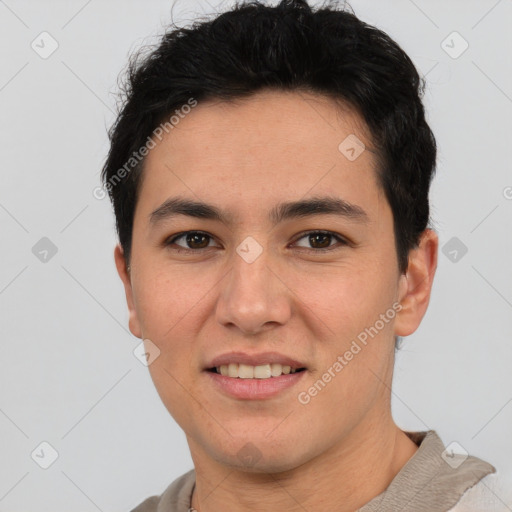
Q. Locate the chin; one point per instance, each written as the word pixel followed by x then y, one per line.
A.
pixel 258 453
pixel 264 463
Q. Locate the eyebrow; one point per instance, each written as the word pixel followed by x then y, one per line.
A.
pixel 175 206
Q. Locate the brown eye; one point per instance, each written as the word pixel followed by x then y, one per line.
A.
pixel 321 240
pixel 193 241
pixel 197 240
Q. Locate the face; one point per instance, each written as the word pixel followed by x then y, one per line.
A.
pixel 255 280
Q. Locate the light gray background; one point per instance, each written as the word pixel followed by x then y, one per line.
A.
pixel 67 369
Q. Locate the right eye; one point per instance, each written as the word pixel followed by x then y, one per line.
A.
pixel 195 241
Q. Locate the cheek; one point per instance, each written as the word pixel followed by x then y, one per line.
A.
pixel 339 407
pixel 168 308
pixel 167 311
pixel 347 307
pixel 355 364
pixel 345 298
pixel 168 299
pixel 177 392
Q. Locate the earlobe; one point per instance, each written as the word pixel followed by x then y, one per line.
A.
pixel 124 274
pixel 416 284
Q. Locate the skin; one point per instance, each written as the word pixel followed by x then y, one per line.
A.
pixel 342 448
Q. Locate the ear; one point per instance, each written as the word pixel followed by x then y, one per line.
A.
pixel 125 276
pixel 416 284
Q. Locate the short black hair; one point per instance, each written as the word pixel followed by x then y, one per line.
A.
pixel 288 47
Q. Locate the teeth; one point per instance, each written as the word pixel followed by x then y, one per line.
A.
pixel 245 371
pixel 262 372
pixel 233 370
pixel 276 369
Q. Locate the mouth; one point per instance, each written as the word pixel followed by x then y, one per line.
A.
pixel 260 376
pixel 262 371
pixel 254 377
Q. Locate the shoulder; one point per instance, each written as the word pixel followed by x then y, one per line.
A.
pixel 175 498
pixel 489 494
pixel 435 478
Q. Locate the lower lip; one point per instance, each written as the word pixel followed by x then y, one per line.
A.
pixel 254 389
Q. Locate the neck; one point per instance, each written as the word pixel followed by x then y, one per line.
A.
pixel 353 472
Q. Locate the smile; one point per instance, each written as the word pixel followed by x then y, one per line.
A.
pixel 246 371
pixel 245 385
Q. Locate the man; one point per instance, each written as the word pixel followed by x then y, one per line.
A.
pixel 270 172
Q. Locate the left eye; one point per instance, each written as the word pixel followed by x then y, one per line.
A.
pixel 321 240
pixel 197 240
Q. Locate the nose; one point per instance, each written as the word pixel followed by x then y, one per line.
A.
pixel 253 297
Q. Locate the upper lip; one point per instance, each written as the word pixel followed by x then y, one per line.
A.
pixel 254 359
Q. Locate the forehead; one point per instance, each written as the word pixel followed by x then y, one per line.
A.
pixel 261 148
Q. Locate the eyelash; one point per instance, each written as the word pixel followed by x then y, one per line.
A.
pixel 341 241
